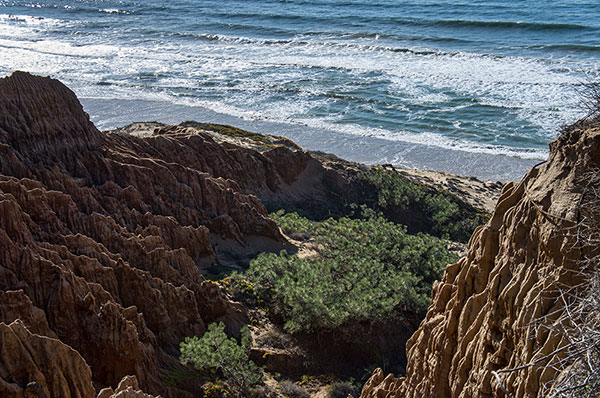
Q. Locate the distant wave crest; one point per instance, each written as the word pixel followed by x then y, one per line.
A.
pixel 511 25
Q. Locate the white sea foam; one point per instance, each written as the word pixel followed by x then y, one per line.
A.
pixel 112 11
pixel 423 138
pixel 257 79
pixel 432 140
pixel 28 20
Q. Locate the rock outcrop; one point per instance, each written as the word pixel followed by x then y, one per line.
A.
pixel 103 236
pixel 39 366
pixel 34 366
pixel 127 388
pixel 495 309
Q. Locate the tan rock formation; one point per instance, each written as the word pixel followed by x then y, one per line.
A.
pixel 38 366
pixel 103 236
pixel 494 309
pixel 34 366
pixel 127 388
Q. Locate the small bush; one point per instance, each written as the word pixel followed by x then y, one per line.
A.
pixel 578 371
pixel 215 352
pixel 589 92
pixel 292 390
pixel 342 390
pixel 294 225
pixel 216 390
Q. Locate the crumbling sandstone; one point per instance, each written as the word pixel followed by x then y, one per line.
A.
pixel 104 236
pixel 494 310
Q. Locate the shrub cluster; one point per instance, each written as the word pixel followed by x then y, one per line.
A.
pixel 421 208
pixel 364 270
pixel 342 390
pixel 216 353
pixel 293 224
pixel 292 390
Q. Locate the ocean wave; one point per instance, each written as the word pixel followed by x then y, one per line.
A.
pixel 440 141
pixel 298 42
pixel 58 48
pixel 113 11
pixel 421 138
pixel 347 41
pixel 28 20
pixel 323 38
pixel 429 139
pixel 291 113
pixel 510 25
pixel 345 4
pixel 566 48
pixel 360 19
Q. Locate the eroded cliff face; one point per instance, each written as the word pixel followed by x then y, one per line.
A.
pixel 103 236
pixel 494 309
pixel 40 366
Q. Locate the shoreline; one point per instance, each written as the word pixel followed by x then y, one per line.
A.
pixel 110 114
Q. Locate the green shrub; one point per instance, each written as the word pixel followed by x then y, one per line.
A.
pixel 293 224
pixel 292 390
pixel 215 352
pixel 421 207
pixel 365 269
pixel 342 390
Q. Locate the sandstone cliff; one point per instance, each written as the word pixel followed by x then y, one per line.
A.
pixel 103 237
pixel 494 309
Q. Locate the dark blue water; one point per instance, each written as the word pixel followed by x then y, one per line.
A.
pixel 430 82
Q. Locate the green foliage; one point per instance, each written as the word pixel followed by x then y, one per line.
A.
pixel 366 268
pixel 342 390
pixel 420 207
pixel 293 224
pixel 217 353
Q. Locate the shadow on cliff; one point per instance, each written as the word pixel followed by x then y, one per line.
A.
pixel 104 236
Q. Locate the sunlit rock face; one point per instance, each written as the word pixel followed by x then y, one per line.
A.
pixel 495 309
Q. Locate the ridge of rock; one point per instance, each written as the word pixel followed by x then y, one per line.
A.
pixel 494 309
pixel 103 236
pixel 39 366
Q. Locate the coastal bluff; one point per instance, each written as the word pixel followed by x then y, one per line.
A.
pixel 104 236
pixel 498 310
pixel 107 239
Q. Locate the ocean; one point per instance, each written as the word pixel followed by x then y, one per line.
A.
pixel 477 88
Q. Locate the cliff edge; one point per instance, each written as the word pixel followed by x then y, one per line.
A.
pixel 496 309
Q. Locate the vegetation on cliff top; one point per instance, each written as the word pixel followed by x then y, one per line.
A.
pixel 230 131
pixel 420 207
